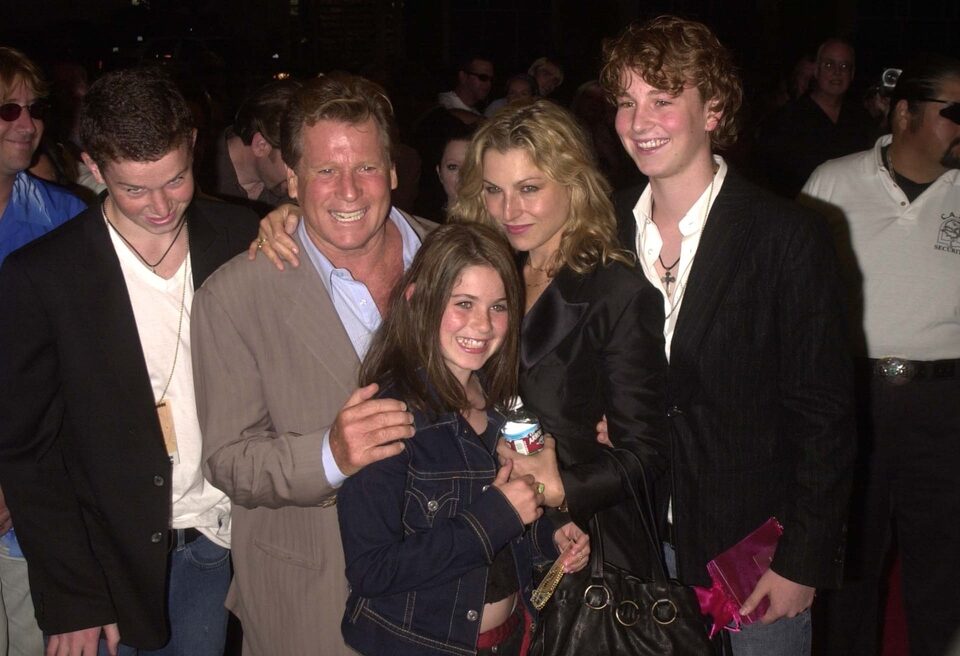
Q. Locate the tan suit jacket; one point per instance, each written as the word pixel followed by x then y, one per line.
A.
pixel 272 366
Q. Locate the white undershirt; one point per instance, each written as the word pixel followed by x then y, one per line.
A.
pixel 156 308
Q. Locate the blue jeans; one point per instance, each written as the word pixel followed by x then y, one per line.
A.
pixel 788 636
pixel 199 579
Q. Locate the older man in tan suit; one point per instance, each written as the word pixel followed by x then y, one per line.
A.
pixel 276 361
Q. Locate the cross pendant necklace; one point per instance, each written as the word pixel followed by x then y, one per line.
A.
pixel 668 278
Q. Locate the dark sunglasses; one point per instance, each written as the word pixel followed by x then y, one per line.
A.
pixel 38 109
pixel 951 112
pixel 483 77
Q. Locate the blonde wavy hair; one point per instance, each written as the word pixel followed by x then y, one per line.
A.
pixel 557 146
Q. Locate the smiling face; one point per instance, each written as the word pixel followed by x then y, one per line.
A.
pixel 666 135
pixel 343 182
pixel 474 321
pixel 449 168
pixel 153 196
pixel 20 138
pixel 834 70
pixel 531 207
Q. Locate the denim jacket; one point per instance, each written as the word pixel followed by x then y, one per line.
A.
pixel 420 531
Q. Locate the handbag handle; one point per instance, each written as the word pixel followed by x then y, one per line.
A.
pixel 643 504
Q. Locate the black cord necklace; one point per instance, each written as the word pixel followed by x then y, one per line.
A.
pixel 153 267
pixel 668 278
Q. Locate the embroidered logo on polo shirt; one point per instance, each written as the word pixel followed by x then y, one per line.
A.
pixel 948 239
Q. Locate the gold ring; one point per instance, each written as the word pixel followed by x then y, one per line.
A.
pixel 540 488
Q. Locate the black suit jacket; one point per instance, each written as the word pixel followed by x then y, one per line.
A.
pixel 593 344
pixel 759 389
pixel 82 458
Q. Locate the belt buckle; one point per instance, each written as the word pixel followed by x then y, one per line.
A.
pixel 895 371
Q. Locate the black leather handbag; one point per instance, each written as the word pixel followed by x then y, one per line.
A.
pixel 603 609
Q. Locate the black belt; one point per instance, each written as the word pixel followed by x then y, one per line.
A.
pixel 189 535
pixel 898 371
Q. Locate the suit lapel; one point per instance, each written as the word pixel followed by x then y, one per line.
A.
pixel 205 248
pixel 111 316
pixel 550 319
pixel 314 321
pixel 715 264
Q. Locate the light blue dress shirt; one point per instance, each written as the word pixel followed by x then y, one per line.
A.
pixel 355 307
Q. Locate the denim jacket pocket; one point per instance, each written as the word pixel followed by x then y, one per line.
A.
pixel 429 498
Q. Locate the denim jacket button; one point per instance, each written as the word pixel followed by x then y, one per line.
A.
pixel 432 505
pixel 472 615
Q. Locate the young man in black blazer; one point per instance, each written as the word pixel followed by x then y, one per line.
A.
pixel 99 440
pixel 759 390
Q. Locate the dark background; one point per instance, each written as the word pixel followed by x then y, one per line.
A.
pixel 416 42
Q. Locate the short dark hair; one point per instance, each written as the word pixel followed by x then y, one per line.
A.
pixel 14 66
pixel 922 78
pixel 135 114
pixel 263 110
pixel 669 53
pixel 406 353
pixel 336 97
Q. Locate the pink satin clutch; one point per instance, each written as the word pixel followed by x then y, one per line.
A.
pixel 735 573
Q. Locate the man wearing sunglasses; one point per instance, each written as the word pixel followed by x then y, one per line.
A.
pixel 474 79
pixel 29 207
pixel 897 210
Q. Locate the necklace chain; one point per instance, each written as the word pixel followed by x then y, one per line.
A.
pixel 183 292
pixel 668 278
pixel 153 267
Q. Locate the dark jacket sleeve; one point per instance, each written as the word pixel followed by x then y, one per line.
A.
pixel 816 397
pixel 67 583
pixel 632 367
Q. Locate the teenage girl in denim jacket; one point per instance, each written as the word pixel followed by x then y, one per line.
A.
pixel 439 545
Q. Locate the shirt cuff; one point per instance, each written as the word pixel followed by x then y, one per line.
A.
pixel 335 477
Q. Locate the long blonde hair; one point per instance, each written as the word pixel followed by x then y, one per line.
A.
pixel 557 146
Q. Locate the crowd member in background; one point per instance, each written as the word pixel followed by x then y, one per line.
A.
pixel 823 124
pixel 474 81
pixel 519 87
pixel 99 439
pixel 249 167
pixel 29 207
pixel 896 213
pixel 759 399
pixel 548 75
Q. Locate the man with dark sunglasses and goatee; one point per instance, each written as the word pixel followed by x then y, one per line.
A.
pixel 896 209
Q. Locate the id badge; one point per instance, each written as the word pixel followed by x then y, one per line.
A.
pixel 165 414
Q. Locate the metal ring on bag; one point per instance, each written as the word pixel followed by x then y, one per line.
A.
pixel 606 601
pixel 636 613
pixel 664 604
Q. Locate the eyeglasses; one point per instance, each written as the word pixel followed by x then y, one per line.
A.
pixel 38 109
pixel 483 77
pixel 951 112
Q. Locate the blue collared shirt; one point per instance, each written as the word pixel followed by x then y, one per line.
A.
pixel 355 307
pixel 35 208
pixel 351 298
